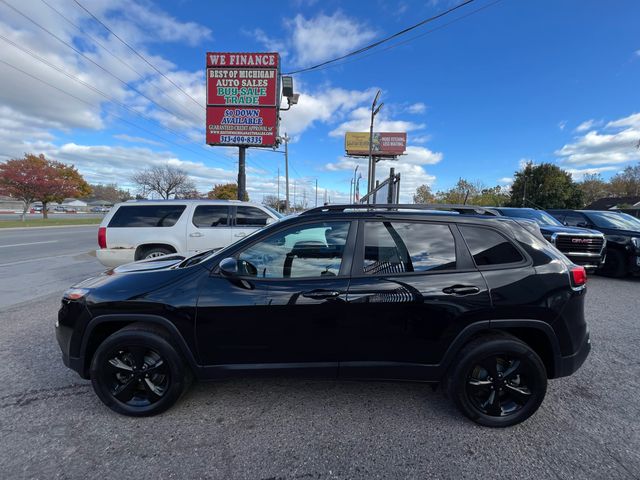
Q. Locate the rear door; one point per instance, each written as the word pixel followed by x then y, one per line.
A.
pixel 248 219
pixel 414 288
pixel 209 227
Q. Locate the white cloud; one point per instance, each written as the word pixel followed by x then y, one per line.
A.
pixel 579 173
pixel 325 36
pixel 134 139
pixel 523 162
pixel 587 125
pixel 418 107
pixel 562 124
pixel 614 144
pixel 638 53
pixel 506 181
pixel 270 43
pixel 360 119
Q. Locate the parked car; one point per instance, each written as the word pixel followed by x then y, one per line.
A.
pixel 138 230
pixel 482 305
pixel 582 246
pixel 100 209
pixel 59 208
pixel 621 230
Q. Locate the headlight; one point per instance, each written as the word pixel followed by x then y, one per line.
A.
pixel 636 242
pixel 75 293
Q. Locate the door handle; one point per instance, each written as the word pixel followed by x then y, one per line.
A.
pixel 196 234
pixel 321 294
pixel 241 234
pixel 461 290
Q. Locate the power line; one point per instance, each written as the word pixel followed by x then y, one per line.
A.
pixel 381 41
pixel 97 42
pixel 137 53
pixel 410 39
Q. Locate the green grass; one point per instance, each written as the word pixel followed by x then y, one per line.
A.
pixel 41 222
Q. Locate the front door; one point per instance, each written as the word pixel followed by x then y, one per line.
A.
pixel 208 228
pixel 282 310
pixel 413 289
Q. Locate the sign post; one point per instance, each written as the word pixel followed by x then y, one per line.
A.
pixel 242 103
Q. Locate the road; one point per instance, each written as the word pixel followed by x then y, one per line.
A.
pixel 39 261
pixel 53 426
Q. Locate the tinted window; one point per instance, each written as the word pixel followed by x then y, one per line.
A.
pixel 147 216
pixel 398 247
pixel 488 247
pixel 251 217
pixel 208 216
pixel 573 219
pixel 621 221
pixel 313 250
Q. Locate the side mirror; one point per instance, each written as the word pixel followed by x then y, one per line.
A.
pixel 229 267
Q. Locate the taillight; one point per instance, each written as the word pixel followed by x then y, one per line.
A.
pixel 102 237
pixel 578 276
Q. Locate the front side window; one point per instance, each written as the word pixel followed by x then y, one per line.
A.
pixel 489 247
pixel 313 250
pixel 405 247
pixel 251 217
pixel 146 216
pixel 210 216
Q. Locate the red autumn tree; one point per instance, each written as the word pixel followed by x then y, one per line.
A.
pixel 35 178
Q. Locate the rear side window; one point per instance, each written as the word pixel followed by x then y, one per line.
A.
pixel 209 216
pixel 405 247
pixel 489 247
pixel 146 216
pixel 251 217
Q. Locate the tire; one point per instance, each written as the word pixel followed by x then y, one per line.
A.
pixel 614 265
pixel 507 390
pixel 155 252
pixel 138 372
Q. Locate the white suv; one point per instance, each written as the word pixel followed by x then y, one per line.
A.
pixel 137 230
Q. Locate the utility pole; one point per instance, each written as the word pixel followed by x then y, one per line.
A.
pixel 372 160
pixel 316 192
pixel 278 190
pixel 242 177
pixel 294 194
pixel 286 139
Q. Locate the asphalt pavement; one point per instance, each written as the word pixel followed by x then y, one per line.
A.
pixel 38 261
pixel 53 426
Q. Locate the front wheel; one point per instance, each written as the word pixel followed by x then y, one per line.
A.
pixel 138 372
pixel 497 381
pixel 156 252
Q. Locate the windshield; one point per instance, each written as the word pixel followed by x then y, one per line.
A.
pixel 275 212
pixel 620 221
pixel 542 218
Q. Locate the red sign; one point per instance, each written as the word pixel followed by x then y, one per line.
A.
pixel 242 126
pixel 242 98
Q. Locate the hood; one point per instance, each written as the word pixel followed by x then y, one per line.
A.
pixel 618 232
pixel 158 263
pixel 551 229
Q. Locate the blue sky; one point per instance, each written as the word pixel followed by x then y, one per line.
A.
pixel 505 83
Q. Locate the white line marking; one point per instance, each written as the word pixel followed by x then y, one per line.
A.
pixel 10 264
pixel 31 243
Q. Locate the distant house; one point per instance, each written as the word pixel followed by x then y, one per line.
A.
pixel 100 203
pixel 614 203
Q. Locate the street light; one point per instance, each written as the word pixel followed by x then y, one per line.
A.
pixel 372 163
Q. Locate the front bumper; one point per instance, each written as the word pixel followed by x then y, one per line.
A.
pixel 571 363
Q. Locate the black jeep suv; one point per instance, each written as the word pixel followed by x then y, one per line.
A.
pixel 480 304
pixel 622 232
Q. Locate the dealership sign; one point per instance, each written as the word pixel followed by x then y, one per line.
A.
pixel 242 98
pixel 384 144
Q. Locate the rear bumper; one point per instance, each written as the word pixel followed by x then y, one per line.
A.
pixel 115 257
pixel 571 363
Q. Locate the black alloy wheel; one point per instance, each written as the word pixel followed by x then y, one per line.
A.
pixel 497 381
pixel 138 372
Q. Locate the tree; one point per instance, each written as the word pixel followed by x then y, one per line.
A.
pixel 593 187
pixel 461 193
pixel 626 183
pixel 424 195
pixel 497 196
pixel 109 192
pixel 226 191
pixel 34 178
pixel 165 180
pixel 545 186
pixel 272 201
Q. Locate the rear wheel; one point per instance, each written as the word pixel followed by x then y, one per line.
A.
pixel 155 252
pixel 138 372
pixel 497 381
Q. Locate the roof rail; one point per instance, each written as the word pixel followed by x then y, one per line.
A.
pixel 468 209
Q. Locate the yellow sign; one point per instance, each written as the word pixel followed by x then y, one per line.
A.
pixel 383 144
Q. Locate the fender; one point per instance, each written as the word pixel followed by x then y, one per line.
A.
pixel 140 318
pixel 465 335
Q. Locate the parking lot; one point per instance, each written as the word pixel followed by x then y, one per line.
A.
pixel 53 426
